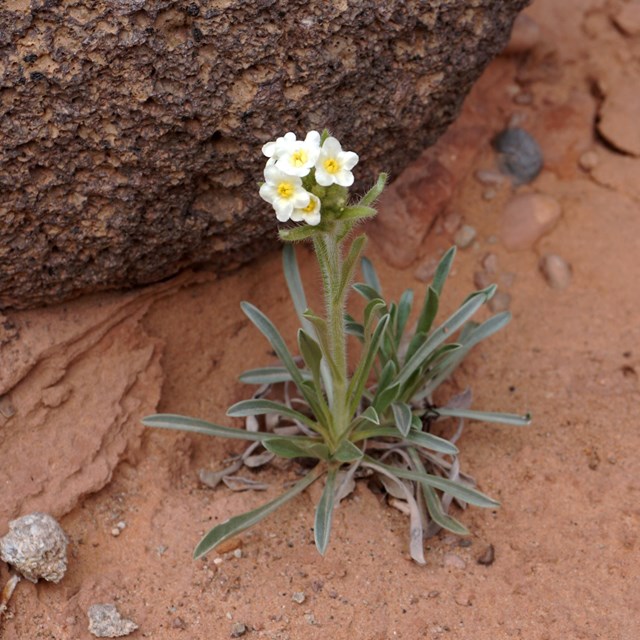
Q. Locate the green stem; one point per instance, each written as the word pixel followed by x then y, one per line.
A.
pixel 328 248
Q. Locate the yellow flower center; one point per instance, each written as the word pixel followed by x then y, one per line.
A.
pixel 285 190
pixel 310 208
pixel 331 165
pixel 299 158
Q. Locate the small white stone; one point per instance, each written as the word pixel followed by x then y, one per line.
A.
pixel 299 597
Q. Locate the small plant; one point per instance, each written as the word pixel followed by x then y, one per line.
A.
pixel 376 419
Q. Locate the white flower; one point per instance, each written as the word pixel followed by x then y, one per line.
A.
pixel 309 214
pixel 334 165
pixel 274 149
pixel 284 192
pixel 298 157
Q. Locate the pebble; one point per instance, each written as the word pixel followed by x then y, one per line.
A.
pixel 238 630
pixel 526 218
pixel 454 561
pixel 501 301
pixel 523 98
pixel 452 222
pixel 556 270
pixel 489 177
pixel 488 556
pixel 489 194
pixel 525 35
pixel 299 597
pixel 490 263
pixel 115 532
pixel 36 546
pixel 179 623
pixel 520 155
pixel 464 236
pixel 105 621
pixel 588 160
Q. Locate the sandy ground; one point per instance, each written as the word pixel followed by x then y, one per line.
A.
pixel 566 536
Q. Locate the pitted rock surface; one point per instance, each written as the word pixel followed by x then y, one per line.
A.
pixel 131 130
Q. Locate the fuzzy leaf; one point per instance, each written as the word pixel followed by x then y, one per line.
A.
pixel 357 212
pixel 324 513
pixel 442 270
pixel 295 234
pixel 347 452
pixel 374 193
pixel 417 438
pixel 404 309
pixel 366 291
pixel 193 425
pixel 455 489
pixel 237 524
pixel 290 447
pixel 487 416
pixel 402 416
pixel 259 407
pixel 370 276
pixel 269 375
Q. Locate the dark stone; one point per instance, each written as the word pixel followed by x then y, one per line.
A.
pixel 520 155
pixel 140 154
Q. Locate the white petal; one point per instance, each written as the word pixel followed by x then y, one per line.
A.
pixel 344 178
pixel 331 146
pixel 313 137
pixel 349 159
pixel 268 149
pixel 267 192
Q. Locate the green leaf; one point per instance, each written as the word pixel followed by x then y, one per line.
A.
pixel 291 447
pixel 371 311
pixel 366 290
pixel 374 193
pixel 240 523
pixel 417 340
pixel 311 354
pixel 369 353
pixel 350 263
pixel 386 397
pixel 269 375
pixel 370 415
pixel 445 330
pixel 442 270
pixel 193 425
pixel 259 407
pixel 404 309
pixel 429 311
pixel 294 283
pixel 402 416
pixel 417 438
pixel 432 500
pixel 324 512
pixel 455 489
pixel 487 416
pixel 296 234
pixel 357 212
pixel 347 452
pixel 268 330
pixel 370 276
pixel 322 332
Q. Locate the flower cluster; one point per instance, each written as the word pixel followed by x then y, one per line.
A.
pixel 296 168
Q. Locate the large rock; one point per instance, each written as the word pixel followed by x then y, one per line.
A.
pixel 131 129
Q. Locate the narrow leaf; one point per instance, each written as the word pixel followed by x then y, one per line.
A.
pixel 193 425
pixel 269 375
pixel 260 407
pixel 240 523
pixel 311 354
pixel 404 309
pixel 386 397
pixel 442 270
pixel 324 513
pixel 487 416
pixel 417 438
pixel 357 212
pixel 366 290
pixel 347 452
pixel 370 276
pixel 268 330
pixel 294 283
pixel 402 416
pixel 290 447
pixel 455 489
pixel 295 234
pixel 374 193
pixel 428 312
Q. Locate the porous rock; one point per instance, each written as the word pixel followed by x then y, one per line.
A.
pixel 131 130
pixel 36 546
pixel 105 621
